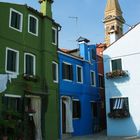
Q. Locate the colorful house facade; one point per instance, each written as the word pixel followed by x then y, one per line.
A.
pixel 79 94
pixel 99 50
pixel 122 85
pixel 29 106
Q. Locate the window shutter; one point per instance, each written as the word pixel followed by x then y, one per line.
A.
pixel 71 72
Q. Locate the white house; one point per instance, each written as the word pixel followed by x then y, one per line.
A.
pixel 122 84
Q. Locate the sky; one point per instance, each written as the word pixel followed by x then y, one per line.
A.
pixel 84 18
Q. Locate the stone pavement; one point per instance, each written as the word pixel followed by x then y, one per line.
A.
pixel 101 136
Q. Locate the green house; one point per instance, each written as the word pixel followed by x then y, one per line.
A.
pixel 29 106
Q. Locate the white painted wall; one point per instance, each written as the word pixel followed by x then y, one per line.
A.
pixel 127 48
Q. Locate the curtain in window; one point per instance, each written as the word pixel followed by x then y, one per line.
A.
pixel 36 105
pixel 3 82
pixel 118 103
pixel 69 123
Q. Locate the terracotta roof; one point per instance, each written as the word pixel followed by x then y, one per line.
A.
pixel 101 45
pixel 69 52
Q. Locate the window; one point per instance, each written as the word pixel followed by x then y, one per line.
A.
pixel 15 20
pixel 116 64
pixel 12 103
pixel 94 107
pixel 93 54
pixel 67 70
pixel 32 25
pixel 12 60
pixel 76 109
pixel 79 70
pixel 55 72
pixel 29 64
pixel 92 74
pixel 101 81
pixel 119 104
pixel 54 36
pixel 119 107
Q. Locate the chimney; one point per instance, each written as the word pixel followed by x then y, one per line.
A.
pixel 46 7
pixel 83 47
pixel 113 35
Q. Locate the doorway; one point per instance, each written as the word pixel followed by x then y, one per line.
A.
pixel 67 122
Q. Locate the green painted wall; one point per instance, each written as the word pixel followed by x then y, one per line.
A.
pixel 41 46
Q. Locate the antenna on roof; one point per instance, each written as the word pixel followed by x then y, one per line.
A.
pixel 76 19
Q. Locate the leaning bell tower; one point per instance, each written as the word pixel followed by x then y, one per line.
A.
pixel 113 20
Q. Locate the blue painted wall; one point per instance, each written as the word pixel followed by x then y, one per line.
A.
pixel 84 92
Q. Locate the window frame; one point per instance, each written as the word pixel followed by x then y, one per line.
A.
pixel 9 98
pixel 34 63
pixel 17 61
pixel 100 82
pixel 79 110
pixel 94 78
pixel 21 19
pixel 66 63
pixel 115 100
pixel 113 60
pixel 81 68
pixel 55 36
pixel 94 114
pixel 56 64
pixel 93 54
pixel 37 23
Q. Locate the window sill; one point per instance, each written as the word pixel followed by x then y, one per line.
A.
pixel 93 85
pixel 55 82
pixel 76 118
pixel 67 80
pixel 12 72
pixel 54 43
pixel 79 82
pixel 35 34
pixel 16 29
pixel 119 114
pixel 28 77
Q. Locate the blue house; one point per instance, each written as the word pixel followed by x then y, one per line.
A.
pixel 79 93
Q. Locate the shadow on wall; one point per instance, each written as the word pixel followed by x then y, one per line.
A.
pixel 115 87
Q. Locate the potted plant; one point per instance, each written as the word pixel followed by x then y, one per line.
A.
pixel 116 73
pixel 30 77
pixel 119 114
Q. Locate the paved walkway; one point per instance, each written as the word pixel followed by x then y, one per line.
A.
pixel 102 136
